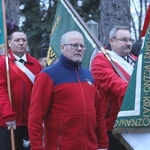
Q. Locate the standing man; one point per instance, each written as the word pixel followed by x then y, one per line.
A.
pixel 22 70
pixel 110 85
pixel 64 97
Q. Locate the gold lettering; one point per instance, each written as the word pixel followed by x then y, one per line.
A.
pixel 55 24
pixel 146 104
pixel 123 122
pixel 146 110
pixel 147 43
pixel 146 122
pixel 139 122
pixel 146 98
pixel 133 122
pixel 146 79
pixel 147 73
pixel 147 67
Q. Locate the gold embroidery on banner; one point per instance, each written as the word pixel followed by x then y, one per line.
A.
pixel 133 122
pixel 55 24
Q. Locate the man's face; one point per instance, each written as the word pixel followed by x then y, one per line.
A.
pixel 122 43
pixel 18 43
pixel 74 47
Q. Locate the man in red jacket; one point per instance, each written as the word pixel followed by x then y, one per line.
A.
pixel 64 97
pixel 14 113
pixel 110 85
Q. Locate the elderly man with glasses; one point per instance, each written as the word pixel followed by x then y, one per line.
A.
pixel 65 98
pixel 110 85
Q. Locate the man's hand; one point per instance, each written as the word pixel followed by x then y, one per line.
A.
pixel 11 124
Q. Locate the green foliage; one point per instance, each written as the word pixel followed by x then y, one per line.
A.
pixel 89 10
pixel 37 24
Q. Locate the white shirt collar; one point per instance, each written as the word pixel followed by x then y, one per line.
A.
pixel 24 57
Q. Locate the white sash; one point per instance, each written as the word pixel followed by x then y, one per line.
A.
pixel 120 61
pixel 22 67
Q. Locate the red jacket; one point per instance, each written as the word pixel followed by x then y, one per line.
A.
pixel 65 100
pixel 111 87
pixel 20 92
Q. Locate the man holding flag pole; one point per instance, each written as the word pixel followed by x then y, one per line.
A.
pixel 22 70
pixel 17 73
pixel 110 85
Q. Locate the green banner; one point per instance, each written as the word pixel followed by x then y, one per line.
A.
pixel 135 110
pixel 66 21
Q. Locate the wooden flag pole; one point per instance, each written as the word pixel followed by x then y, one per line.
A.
pixel 7 70
pixel 93 37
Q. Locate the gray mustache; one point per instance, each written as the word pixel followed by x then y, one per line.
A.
pixel 127 47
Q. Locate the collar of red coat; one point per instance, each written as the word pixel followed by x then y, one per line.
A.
pixel 12 58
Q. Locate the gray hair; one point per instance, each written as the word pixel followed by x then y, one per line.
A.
pixel 115 29
pixel 65 36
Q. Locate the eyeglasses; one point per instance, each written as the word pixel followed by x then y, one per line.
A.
pixel 124 40
pixel 75 46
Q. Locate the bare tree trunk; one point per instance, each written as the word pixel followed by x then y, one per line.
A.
pixel 113 12
pixel 138 17
pixel 12 10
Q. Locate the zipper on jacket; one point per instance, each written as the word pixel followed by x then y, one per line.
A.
pixel 59 138
pixel 23 102
pixel 108 109
pixel 84 132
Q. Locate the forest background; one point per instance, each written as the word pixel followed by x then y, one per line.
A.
pixel 35 17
